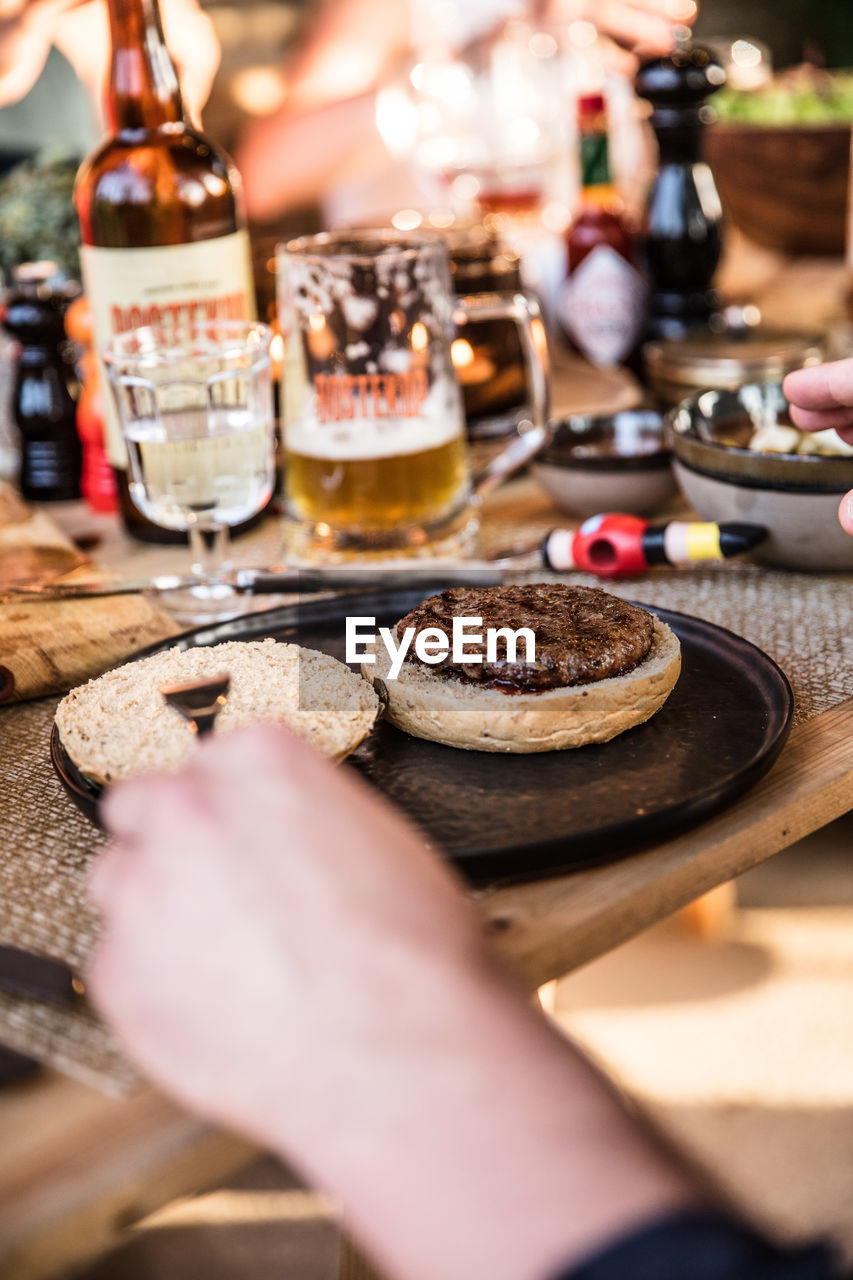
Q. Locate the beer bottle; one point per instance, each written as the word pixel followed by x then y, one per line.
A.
pixel 602 303
pixel 160 216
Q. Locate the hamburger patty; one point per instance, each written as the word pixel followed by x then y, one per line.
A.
pixel 582 634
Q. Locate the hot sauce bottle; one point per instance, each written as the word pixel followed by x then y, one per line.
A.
pixel 97 479
pixel 602 303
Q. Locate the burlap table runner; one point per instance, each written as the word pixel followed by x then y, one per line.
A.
pixel 803 621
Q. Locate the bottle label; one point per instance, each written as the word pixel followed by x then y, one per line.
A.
pixel 181 284
pixel 595 160
pixel 602 306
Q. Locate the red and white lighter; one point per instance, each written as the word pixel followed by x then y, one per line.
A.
pixel 615 545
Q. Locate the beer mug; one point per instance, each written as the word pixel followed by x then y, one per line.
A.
pixel 373 423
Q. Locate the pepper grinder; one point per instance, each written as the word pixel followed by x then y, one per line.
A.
pixel 684 217
pixel 42 405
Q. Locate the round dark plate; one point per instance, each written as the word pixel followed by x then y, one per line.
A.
pixel 502 816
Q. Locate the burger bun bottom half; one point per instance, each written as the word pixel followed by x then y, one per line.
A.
pixel 463 714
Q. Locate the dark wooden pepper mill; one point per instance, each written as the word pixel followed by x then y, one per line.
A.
pixel 42 405
pixel 684 218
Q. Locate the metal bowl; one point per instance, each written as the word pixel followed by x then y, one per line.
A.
pixel 794 496
pixel 619 462
pixel 740 354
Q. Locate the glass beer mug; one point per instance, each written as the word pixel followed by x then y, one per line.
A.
pixel 374 428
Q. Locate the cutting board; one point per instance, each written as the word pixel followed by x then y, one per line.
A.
pixel 51 646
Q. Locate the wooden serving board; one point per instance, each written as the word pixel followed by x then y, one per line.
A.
pixel 50 646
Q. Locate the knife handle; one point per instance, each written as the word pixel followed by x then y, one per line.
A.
pixel 309 581
pixel 23 973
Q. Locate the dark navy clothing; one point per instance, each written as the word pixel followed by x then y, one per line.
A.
pixel 705 1246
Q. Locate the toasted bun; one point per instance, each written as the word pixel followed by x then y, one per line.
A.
pixel 460 714
pixel 119 723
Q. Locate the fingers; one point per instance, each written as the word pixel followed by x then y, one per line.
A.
pixel 643 24
pixel 258 809
pixel 634 27
pixel 823 387
pixel 131 809
pixel 192 38
pixel 845 511
pixel 617 60
pixel 108 875
pixel 822 419
pixel 261 748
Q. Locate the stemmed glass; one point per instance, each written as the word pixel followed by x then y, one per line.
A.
pixel 196 409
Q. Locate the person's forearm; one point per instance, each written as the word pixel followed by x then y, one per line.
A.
pixel 291 159
pixel 502 1155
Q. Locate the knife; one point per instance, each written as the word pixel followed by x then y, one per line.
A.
pixel 23 973
pixel 280 582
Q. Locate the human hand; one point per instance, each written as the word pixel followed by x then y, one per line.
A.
pixel 646 26
pixel 26 28
pixel 80 30
pixel 282 953
pixel 822 397
pixel 630 29
pixel 264 911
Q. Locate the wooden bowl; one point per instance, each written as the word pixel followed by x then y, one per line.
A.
pixel 784 186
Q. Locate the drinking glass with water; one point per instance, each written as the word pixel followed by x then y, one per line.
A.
pixel 196 410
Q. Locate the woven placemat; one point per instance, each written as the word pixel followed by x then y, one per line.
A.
pixel 805 622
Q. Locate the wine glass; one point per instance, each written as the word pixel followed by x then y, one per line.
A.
pixel 196 409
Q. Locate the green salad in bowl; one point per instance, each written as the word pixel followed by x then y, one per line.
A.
pixel 803 96
pixel 781 159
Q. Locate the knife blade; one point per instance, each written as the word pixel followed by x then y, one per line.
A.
pixel 23 973
pixel 282 582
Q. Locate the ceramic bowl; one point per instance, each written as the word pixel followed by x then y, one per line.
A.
pixel 615 463
pixel 794 496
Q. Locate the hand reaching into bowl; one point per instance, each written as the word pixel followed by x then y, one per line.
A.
pixel 822 397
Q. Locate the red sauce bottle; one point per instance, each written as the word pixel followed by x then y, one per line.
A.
pixel 97 480
pixel 603 302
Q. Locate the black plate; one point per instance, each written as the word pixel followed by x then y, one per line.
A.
pixel 500 816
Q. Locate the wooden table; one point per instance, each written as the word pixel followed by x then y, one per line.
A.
pixel 75 1166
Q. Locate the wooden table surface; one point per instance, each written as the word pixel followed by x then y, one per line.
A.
pixel 76 1166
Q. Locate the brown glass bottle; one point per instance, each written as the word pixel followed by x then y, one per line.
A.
pixel 160 218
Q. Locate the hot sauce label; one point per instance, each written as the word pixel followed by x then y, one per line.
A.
pixel 171 284
pixel 602 306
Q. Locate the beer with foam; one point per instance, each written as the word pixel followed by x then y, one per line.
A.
pixel 374 438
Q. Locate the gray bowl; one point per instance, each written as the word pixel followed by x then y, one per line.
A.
pixel 615 463
pixel 794 496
